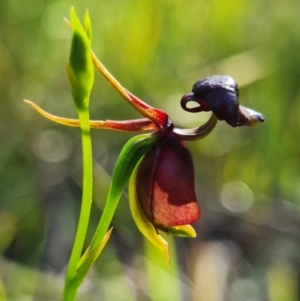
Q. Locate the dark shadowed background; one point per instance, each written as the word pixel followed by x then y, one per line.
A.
pixel 247 179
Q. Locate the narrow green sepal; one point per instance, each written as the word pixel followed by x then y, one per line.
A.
pixel 80 69
pixel 88 26
pixel 183 231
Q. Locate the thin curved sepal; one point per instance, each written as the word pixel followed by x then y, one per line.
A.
pixel 143 224
pixel 160 118
pixel 134 125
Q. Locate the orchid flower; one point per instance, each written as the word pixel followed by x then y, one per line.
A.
pixel 157 164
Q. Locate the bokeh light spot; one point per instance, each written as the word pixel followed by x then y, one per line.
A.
pixel 52 146
pixel 236 196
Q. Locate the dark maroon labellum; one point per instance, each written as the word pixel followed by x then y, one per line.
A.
pixel 209 84
pixel 218 94
pixel 165 185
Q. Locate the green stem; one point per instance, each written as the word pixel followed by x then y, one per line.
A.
pixel 157 269
pixel 71 283
pixel 131 153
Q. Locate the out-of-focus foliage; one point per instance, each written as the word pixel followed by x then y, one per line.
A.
pixel 247 178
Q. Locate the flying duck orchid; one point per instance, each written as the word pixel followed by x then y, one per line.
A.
pixel 156 163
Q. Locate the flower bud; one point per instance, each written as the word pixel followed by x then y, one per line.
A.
pixel 80 69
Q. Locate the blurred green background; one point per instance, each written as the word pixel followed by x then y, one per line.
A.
pixel 247 179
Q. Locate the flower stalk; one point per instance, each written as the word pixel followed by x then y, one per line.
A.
pixel 81 76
